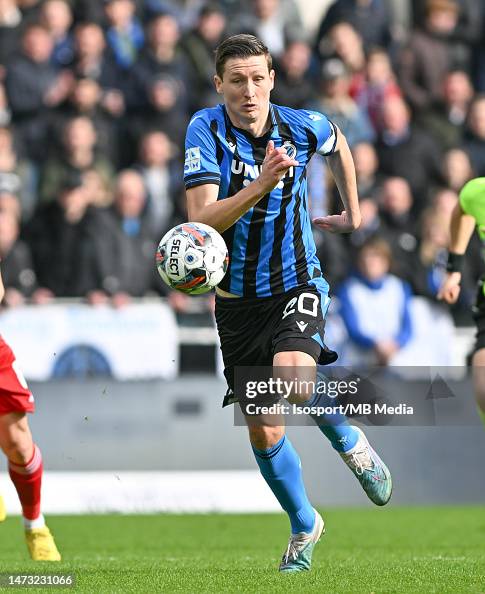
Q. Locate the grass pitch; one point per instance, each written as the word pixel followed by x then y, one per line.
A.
pixel 428 550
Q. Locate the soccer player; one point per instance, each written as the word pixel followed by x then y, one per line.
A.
pixel 468 214
pixel 24 457
pixel 245 175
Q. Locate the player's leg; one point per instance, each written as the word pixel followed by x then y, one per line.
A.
pixel 24 462
pixel 25 469
pixel 478 363
pixel 245 342
pixel 280 466
pixel 301 329
pixel 300 334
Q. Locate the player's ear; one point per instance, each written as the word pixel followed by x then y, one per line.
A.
pixel 218 84
pixel 271 78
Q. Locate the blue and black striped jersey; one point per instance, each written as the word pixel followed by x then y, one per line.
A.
pixel 271 247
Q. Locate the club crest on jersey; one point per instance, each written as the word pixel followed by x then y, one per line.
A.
pixel 290 149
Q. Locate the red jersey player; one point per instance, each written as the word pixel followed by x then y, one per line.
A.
pixel 24 457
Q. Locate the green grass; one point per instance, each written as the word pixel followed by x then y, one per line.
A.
pixel 428 550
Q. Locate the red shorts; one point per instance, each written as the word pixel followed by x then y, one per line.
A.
pixel 15 395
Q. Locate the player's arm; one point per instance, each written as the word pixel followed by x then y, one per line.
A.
pixel 341 164
pixel 461 230
pixel 202 203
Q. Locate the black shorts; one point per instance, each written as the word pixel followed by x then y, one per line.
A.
pixel 252 330
pixel 479 316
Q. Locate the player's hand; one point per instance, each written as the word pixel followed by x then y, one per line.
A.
pixel 450 289
pixel 341 223
pixel 275 165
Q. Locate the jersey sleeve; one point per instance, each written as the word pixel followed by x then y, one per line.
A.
pixel 200 165
pixel 324 131
pixel 472 197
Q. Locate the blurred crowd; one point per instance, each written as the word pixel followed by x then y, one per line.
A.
pixel 95 96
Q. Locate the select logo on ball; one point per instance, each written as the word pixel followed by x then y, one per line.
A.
pixel 192 258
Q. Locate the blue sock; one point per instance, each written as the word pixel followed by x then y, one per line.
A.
pixel 335 427
pixel 281 469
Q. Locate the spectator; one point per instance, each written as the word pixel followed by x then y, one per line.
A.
pixel 474 143
pixel 345 43
pixel 17 268
pixel 94 62
pixel 336 103
pixel 185 12
pixel 401 16
pixel 375 306
pixel 56 17
pixel 5 113
pixel 468 28
pixel 275 22
pixel 457 168
pixel 444 201
pixel 124 33
pixel 408 152
pixel 163 189
pixel 366 169
pixel 59 233
pixel 370 18
pixel 446 119
pixel 379 84
pixel 398 223
pixel 198 46
pixel 164 112
pixel 17 176
pixel 430 54
pixel 370 226
pixel 160 58
pixel 78 156
pixel 10 26
pixel 98 188
pixel 10 203
pixel 34 88
pixel 120 264
pixel 295 86
pixel 430 259
pixel 86 100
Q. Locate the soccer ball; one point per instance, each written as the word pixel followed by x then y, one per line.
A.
pixel 192 258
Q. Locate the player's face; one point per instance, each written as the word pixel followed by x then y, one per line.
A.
pixel 246 86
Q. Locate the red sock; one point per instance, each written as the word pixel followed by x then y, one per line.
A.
pixel 27 479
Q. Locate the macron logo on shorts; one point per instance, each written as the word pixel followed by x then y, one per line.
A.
pixel 302 326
